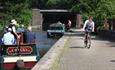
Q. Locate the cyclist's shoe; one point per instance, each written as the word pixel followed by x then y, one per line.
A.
pixel 86 45
pixel 89 46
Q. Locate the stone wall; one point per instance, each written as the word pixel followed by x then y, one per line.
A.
pixel 107 34
pixel 50 57
pixel 79 21
pixel 36 20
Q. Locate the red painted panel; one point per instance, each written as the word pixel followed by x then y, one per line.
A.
pixel 30 65
pixel 9 66
pixel 12 66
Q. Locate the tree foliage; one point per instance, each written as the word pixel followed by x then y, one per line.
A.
pixel 59 4
pixel 15 9
pixel 21 9
pixel 100 9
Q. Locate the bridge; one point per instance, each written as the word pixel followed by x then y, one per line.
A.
pixel 43 18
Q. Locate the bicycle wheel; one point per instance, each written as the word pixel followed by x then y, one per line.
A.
pixel 89 41
pixel 86 41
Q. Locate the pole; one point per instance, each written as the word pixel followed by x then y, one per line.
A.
pixel 1 58
pixel 20 62
pixel 18 45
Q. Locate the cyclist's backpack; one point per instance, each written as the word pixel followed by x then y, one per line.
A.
pixel 88 27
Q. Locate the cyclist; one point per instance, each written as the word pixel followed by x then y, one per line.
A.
pixel 88 27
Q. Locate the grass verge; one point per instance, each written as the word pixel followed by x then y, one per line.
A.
pixel 57 60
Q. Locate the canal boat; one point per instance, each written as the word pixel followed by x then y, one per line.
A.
pixel 56 29
pixel 21 55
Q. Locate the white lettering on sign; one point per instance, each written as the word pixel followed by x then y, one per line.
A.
pixel 22 50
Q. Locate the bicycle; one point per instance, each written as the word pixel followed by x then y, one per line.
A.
pixel 87 40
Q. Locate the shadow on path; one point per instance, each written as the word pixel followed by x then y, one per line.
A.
pixel 94 37
pixel 72 47
pixel 112 60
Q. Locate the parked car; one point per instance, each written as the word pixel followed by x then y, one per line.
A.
pixel 56 29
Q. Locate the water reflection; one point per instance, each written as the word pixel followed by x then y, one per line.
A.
pixel 44 43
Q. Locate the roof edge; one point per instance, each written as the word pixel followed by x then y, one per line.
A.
pixel 54 10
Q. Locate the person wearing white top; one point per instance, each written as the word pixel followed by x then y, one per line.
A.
pixel 8 38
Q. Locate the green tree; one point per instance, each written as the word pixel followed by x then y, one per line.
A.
pixel 15 9
pixel 60 4
pixel 100 9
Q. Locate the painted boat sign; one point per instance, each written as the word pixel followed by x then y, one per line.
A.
pixel 22 50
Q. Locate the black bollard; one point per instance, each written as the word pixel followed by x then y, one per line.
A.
pixel 1 58
pixel 1 62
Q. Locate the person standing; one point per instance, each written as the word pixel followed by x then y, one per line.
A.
pixel 30 35
pixel 69 24
pixel 13 27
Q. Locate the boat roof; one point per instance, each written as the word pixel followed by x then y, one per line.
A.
pixel 56 24
pixel 54 10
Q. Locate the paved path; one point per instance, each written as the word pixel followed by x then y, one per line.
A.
pixel 101 55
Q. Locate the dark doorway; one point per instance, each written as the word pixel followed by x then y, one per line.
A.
pixel 54 17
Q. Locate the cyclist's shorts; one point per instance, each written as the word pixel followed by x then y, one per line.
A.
pixel 86 32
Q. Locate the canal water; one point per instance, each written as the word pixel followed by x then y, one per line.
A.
pixel 44 43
